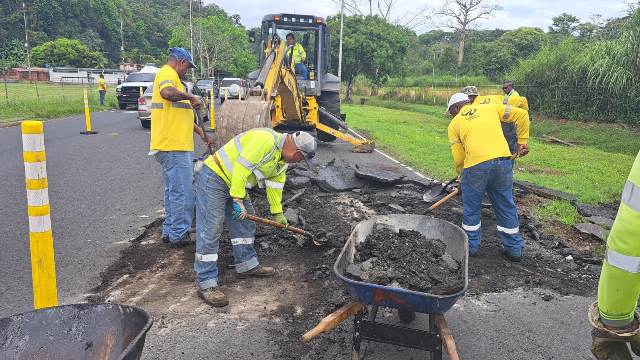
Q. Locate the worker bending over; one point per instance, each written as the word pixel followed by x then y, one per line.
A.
pixel 172 144
pixel 256 157
pixel 298 56
pixel 482 157
pixel 614 316
pixel 508 129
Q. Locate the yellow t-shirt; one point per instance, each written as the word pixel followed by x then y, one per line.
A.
pixel 102 85
pixel 514 100
pixel 171 122
pixel 476 136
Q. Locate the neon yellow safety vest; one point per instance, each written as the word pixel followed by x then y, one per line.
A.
pixel 253 158
pixel 299 55
pixel 623 244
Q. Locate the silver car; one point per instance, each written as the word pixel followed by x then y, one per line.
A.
pixel 233 88
pixel 144 104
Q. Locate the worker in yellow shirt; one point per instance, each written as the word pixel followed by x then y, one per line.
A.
pixel 508 89
pixel 482 158
pixel 102 89
pixel 508 129
pixel 298 56
pixel 172 129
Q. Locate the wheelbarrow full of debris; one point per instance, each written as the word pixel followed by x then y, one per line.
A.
pixel 369 296
pixel 78 331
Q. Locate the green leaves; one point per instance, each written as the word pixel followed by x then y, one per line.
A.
pixel 66 52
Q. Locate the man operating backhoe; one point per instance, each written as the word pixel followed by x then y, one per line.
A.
pixel 256 157
pixel 298 56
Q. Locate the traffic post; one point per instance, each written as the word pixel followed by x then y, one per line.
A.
pixel 43 268
pixel 212 111
pixel 87 114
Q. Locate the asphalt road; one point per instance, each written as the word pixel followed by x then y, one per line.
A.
pixel 102 189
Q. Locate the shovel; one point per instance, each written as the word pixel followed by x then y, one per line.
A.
pixel 443 200
pixel 436 192
pixel 317 240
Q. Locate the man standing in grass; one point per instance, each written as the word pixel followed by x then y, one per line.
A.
pixel 508 89
pixel 482 158
pixel 614 317
pixel 102 89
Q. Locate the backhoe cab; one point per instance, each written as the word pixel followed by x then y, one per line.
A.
pixel 287 101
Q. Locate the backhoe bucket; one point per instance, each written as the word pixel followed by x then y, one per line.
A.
pixel 238 116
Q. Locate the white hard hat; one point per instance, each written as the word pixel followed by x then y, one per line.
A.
pixel 456 98
pixel 306 144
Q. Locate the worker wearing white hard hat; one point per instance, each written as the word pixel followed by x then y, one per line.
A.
pixel 482 158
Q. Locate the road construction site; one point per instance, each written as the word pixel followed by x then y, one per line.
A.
pixel 506 313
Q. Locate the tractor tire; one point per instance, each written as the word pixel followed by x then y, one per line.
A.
pixel 331 102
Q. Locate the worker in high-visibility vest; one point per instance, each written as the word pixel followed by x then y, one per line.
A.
pixel 508 129
pixel 298 56
pixel 614 317
pixel 102 88
pixel 172 144
pixel 256 157
pixel 482 158
pixel 507 88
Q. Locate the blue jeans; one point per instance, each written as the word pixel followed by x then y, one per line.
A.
pixel 213 209
pixel 102 94
pixel 494 177
pixel 177 169
pixel 301 69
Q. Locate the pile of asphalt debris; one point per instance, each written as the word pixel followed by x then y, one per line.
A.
pixel 406 259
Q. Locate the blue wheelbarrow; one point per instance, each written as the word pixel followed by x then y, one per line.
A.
pixel 79 331
pixel 371 296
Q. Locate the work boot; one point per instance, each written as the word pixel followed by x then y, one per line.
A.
pixel 185 240
pixel 258 271
pixel 611 344
pixel 214 297
pixel 511 257
pixel 165 239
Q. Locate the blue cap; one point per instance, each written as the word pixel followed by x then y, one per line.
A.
pixel 182 54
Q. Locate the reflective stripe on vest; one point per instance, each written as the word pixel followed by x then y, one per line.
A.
pixel 246 163
pixel 507 112
pixel 157 105
pixel 176 104
pixel 631 195
pixel 166 82
pixel 625 262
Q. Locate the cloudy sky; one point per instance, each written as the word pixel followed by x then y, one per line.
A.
pixel 537 13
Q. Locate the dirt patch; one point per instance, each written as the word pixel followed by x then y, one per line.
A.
pixel 406 259
pixel 161 280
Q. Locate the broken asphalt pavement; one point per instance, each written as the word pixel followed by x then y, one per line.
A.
pixel 532 310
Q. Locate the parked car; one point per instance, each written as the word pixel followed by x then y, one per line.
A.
pixel 233 88
pixel 129 91
pixel 144 104
pixel 207 85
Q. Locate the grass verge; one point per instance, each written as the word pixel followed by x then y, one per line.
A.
pixel 559 210
pixel 417 134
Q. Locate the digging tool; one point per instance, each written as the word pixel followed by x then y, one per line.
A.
pixel 317 240
pixel 201 126
pixel 334 319
pixel 443 200
pixel 436 192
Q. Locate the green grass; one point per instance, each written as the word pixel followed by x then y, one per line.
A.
pixel 23 101
pixel 559 210
pixel 593 171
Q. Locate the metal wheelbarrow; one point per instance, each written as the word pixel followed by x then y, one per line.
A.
pixel 79 331
pixel 371 296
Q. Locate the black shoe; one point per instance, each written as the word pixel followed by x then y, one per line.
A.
pixel 185 240
pixel 165 239
pixel 510 257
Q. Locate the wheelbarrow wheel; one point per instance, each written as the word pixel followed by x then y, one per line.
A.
pixel 406 316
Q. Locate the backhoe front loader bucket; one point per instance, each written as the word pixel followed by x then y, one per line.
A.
pixel 238 116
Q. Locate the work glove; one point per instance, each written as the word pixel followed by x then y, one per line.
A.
pixel 239 211
pixel 281 219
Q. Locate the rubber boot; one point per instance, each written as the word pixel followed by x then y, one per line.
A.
pixel 258 271
pixel 610 344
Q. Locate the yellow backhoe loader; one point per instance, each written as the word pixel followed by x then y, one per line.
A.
pixel 283 100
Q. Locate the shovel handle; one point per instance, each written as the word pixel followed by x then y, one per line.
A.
pixel 443 200
pixel 333 320
pixel 278 225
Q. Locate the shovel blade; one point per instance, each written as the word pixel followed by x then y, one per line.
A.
pixel 434 194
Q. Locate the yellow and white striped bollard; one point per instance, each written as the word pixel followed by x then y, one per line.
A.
pixel 43 267
pixel 212 111
pixel 87 114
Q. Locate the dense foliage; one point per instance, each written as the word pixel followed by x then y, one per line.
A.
pixel 66 52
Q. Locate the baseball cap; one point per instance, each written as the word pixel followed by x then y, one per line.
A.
pixel 182 54
pixel 307 145
pixel 456 98
pixel 470 90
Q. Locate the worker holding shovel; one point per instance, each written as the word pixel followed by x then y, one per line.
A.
pixel 256 157
pixel 481 155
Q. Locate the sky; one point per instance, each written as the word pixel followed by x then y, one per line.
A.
pixel 534 13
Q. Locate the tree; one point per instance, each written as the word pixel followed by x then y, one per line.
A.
pixel 12 54
pixel 66 52
pixel 388 10
pixel 462 14
pixel 371 47
pixel 564 25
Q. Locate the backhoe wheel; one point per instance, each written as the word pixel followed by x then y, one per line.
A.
pixel 331 102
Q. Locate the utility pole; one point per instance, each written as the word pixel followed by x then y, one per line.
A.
pixel 340 49
pixel 191 34
pixel 26 39
pixel 122 35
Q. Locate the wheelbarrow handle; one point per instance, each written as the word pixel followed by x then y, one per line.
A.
pixel 334 319
pixel 443 200
pixel 278 225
